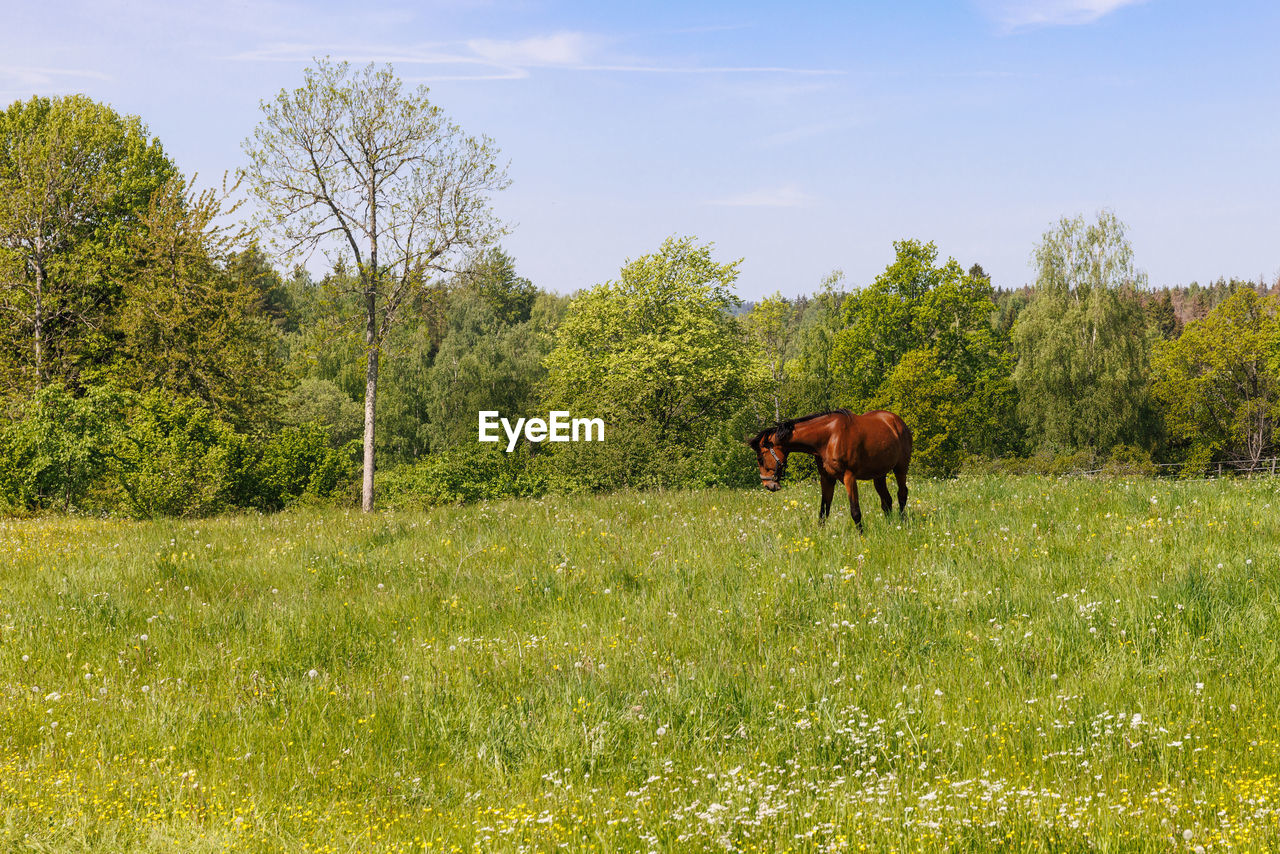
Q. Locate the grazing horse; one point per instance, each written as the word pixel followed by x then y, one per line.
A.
pixel 847 447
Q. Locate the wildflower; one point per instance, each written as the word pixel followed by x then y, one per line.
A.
pixel 312 673
pixel 661 731
pixel 142 638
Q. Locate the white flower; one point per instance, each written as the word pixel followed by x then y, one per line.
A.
pixel 146 689
pixel 1187 834
pixel 662 730
pixel 142 638
pixel 53 696
pixel 312 673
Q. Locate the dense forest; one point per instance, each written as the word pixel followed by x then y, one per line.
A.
pixel 157 358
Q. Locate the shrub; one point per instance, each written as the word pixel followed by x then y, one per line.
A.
pixel 176 458
pixel 297 463
pixel 57 447
pixel 1130 460
pixel 467 473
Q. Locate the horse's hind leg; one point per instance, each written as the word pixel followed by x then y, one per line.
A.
pixel 851 486
pixel 900 473
pixel 828 490
pixel 882 489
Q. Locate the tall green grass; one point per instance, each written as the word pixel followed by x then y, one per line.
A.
pixel 1025 664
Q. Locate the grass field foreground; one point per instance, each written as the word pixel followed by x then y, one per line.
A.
pixel 1027 664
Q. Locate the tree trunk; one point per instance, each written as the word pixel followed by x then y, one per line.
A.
pixel 38 323
pixel 372 346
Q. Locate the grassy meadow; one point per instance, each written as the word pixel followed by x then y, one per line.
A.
pixel 1027 664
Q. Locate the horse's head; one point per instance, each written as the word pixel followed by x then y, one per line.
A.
pixel 771 456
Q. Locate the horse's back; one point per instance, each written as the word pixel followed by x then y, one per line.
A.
pixel 885 440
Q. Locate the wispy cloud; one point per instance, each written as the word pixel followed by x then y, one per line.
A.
pixel 502 59
pixel 22 81
pixel 1030 14
pixel 784 196
pixel 566 48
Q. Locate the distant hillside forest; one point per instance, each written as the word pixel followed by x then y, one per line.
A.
pixel 157 359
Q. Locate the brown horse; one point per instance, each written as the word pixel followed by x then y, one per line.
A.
pixel 847 447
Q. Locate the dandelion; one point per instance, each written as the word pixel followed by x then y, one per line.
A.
pixel 1187 834
pixel 312 673
pixel 661 731
pixel 142 638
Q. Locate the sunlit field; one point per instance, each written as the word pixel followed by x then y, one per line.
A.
pixel 1026 664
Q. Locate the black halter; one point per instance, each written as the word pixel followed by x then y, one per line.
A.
pixel 779 469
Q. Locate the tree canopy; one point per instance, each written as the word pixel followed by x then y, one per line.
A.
pixel 1220 381
pixel 76 180
pixel 657 346
pixel 1082 344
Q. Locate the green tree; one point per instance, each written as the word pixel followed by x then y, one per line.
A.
pixel 657 348
pixel 250 267
pixel 928 399
pixel 187 325
pixel 492 276
pixel 1220 381
pixel 935 312
pixel 75 180
pixel 811 382
pixel 772 323
pixel 348 158
pixel 1082 344
pixel 484 363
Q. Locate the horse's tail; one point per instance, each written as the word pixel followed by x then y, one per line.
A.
pixel 908 442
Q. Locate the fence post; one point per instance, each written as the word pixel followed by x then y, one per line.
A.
pixel 1219 469
pixel 1273 466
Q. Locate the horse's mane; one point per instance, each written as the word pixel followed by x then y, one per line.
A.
pixel 782 430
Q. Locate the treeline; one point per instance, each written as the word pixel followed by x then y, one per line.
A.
pixel 155 360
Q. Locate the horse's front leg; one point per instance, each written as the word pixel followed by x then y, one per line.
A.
pixel 851 486
pixel 828 490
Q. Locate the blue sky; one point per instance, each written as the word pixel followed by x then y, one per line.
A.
pixel 801 137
